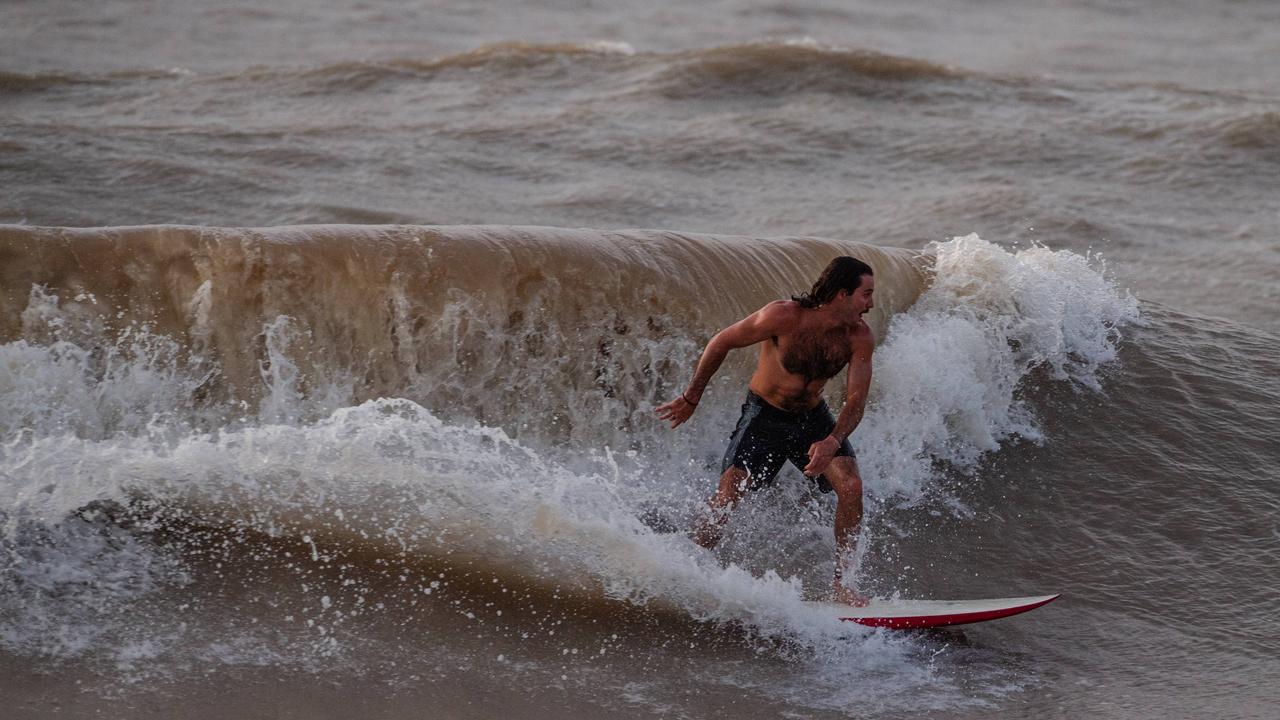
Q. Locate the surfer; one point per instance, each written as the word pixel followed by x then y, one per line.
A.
pixel 804 342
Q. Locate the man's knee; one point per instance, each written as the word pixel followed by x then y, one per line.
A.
pixel 843 475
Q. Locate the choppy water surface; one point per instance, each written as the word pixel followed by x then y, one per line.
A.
pixel 387 453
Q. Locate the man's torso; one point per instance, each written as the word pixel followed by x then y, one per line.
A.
pixel 795 365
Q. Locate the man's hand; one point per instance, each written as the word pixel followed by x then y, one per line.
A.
pixel 820 455
pixel 677 411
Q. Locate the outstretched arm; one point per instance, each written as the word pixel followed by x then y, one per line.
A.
pixel 855 404
pixel 757 326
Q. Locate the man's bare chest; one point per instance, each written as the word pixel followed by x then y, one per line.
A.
pixel 814 355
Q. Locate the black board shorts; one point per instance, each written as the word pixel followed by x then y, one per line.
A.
pixel 767 436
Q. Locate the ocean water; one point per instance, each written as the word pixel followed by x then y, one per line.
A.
pixel 329 348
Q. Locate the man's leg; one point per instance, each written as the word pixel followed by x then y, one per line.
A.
pixel 843 475
pixel 733 483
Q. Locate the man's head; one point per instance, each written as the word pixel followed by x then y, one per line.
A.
pixel 845 274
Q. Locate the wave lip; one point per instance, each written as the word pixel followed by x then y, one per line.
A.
pixel 795 66
pixel 766 65
pixel 1255 132
pixel 19 82
pixel 325 316
pixel 516 58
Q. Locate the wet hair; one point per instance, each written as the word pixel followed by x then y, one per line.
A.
pixel 842 273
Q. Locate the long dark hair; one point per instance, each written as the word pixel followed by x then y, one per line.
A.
pixel 842 273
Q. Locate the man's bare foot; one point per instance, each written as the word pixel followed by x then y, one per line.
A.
pixel 706 534
pixel 706 542
pixel 848 596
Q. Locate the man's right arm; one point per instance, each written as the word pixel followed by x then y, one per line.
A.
pixel 756 327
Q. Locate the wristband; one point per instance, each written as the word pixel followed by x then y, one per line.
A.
pixel 686 399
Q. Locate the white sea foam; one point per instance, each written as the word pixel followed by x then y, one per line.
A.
pixel 950 377
pixel 390 474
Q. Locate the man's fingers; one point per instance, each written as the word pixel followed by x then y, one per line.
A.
pixel 676 411
pixel 817 462
pixel 671 413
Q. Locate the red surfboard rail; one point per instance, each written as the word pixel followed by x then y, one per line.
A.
pixel 918 614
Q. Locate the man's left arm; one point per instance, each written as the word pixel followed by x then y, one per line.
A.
pixel 857 385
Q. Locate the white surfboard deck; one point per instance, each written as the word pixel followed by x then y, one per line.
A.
pixel 903 614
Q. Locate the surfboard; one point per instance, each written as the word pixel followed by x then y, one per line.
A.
pixel 906 614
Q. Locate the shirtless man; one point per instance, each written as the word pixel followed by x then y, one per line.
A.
pixel 804 342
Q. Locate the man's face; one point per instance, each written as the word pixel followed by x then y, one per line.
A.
pixel 860 300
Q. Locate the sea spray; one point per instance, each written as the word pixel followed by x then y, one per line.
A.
pixel 951 379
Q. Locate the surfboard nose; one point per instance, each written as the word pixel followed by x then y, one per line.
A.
pixel 914 614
